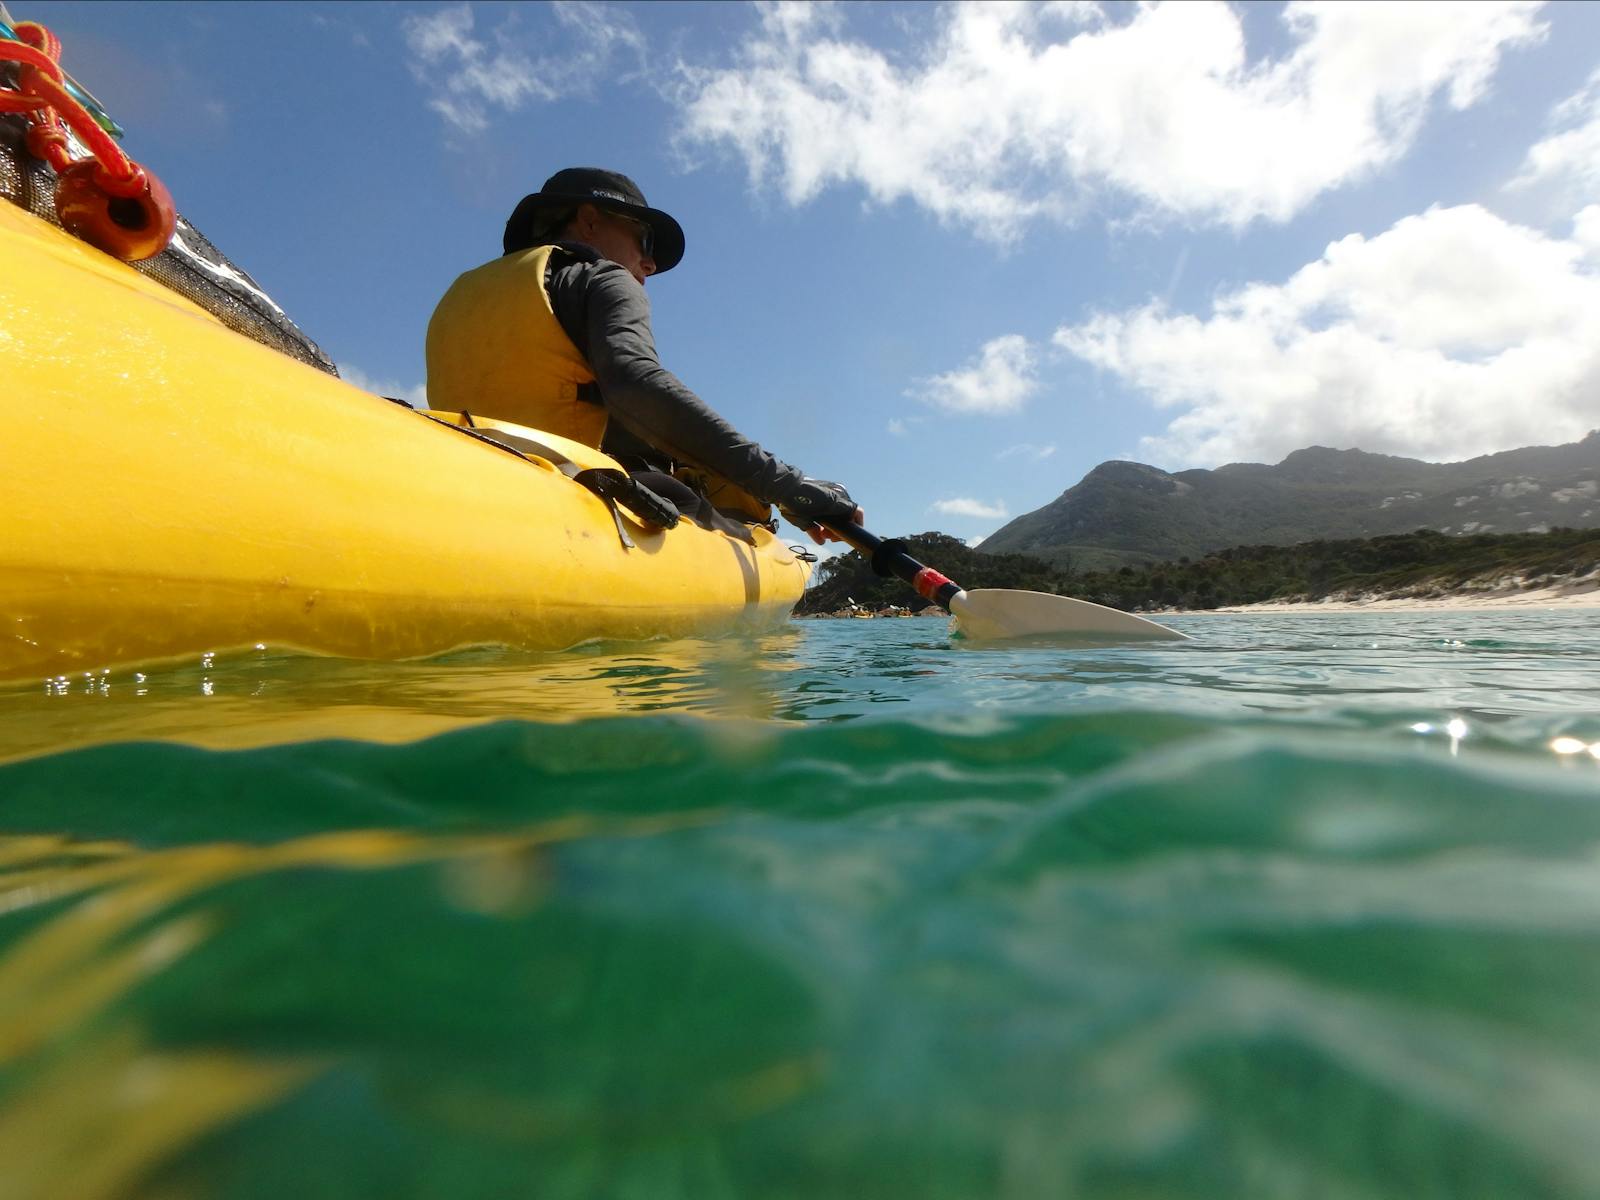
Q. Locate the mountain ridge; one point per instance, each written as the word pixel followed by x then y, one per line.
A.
pixel 1125 513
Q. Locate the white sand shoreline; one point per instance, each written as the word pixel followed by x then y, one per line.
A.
pixel 1578 594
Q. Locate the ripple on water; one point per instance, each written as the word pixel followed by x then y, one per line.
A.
pixel 1288 910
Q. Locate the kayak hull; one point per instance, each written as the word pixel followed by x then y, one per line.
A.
pixel 174 487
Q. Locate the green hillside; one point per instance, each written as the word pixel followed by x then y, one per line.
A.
pixel 1130 514
pixel 1423 563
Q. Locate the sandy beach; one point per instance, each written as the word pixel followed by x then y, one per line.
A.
pixel 1579 593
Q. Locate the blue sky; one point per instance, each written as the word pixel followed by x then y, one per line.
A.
pixel 952 256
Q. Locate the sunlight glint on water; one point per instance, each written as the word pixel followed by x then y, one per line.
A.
pixel 1306 907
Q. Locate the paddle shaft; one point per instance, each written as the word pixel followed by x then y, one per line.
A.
pixel 890 558
pixel 998 612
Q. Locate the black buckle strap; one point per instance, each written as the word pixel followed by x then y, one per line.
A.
pixel 618 487
pixel 613 486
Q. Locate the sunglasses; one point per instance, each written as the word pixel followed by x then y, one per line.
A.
pixel 646 235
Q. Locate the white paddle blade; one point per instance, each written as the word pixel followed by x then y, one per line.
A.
pixel 986 613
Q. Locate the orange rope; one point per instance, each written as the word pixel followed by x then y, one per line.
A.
pixel 41 91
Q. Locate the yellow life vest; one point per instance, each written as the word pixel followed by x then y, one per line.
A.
pixel 495 349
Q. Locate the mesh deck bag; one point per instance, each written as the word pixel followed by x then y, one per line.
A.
pixel 190 265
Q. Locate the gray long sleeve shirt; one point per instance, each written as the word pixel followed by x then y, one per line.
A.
pixel 606 313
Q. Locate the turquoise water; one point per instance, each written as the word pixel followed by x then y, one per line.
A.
pixel 1309 906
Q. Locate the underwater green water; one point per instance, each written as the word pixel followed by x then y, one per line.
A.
pixel 1307 907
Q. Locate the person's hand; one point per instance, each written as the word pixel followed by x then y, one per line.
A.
pixel 821 533
pixel 818 500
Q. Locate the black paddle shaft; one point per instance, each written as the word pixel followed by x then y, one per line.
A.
pixel 892 558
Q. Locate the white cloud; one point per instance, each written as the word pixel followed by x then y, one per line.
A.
pixel 1027 450
pixel 905 426
pixel 447 54
pixel 998 380
pixel 1452 334
pixel 1013 111
pixel 964 506
pixel 415 395
pixel 1586 230
pixel 1568 161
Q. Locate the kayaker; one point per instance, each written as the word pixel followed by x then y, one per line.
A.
pixel 555 334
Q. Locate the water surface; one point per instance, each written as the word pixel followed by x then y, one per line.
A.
pixel 1308 906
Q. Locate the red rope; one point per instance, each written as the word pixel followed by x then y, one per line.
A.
pixel 41 91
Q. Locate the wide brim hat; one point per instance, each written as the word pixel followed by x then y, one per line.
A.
pixel 603 189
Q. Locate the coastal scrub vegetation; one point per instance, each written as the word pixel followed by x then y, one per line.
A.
pixel 1425 563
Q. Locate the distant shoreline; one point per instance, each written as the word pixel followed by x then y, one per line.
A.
pixel 1584 594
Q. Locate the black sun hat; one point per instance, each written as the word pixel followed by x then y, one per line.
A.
pixel 603 189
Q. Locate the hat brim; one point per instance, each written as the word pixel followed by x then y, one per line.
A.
pixel 666 234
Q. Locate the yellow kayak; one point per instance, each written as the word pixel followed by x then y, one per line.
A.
pixel 173 487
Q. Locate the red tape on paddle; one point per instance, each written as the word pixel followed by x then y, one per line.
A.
pixel 928 582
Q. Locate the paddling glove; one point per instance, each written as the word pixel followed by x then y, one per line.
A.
pixel 816 500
